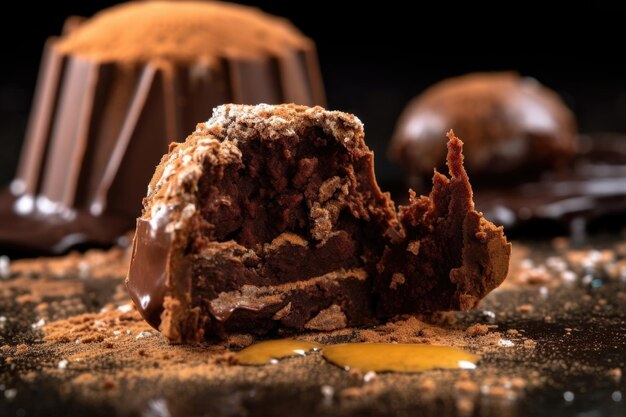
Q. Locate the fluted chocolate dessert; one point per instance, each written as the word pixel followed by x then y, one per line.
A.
pixel 269 218
pixel 513 127
pixel 117 88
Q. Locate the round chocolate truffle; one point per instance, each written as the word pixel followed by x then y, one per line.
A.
pixel 513 128
pixel 116 89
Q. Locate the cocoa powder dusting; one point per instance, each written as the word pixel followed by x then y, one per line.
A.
pixel 81 338
pixel 181 31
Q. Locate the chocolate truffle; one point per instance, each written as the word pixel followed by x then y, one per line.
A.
pixel 269 218
pixel 117 88
pixel 513 127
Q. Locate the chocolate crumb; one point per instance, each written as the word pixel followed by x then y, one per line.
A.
pixel 397 279
pixel 529 343
pixel 477 330
pixel 525 308
pixel 615 374
pixel 328 319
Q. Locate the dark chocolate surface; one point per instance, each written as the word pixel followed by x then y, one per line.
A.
pixel 38 233
pixel 590 193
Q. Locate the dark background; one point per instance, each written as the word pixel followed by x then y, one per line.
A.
pixel 375 58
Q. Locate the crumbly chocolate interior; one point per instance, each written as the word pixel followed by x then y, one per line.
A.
pixel 271 220
pixel 445 237
pixel 286 218
pixel 305 185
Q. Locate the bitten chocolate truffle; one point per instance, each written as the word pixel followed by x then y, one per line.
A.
pixel 513 127
pixel 269 218
pixel 115 89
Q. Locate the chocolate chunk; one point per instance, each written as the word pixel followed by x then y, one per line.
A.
pixel 514 128
pixel 269 218
pixel 115 89
pixel 445 237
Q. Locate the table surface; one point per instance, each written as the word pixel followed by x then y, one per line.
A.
pixel 555 345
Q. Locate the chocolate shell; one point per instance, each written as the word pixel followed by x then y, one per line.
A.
pixel 114 91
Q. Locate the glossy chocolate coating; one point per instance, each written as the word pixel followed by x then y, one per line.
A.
pixel 590 192
pixel 149 271
pixel 513 128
